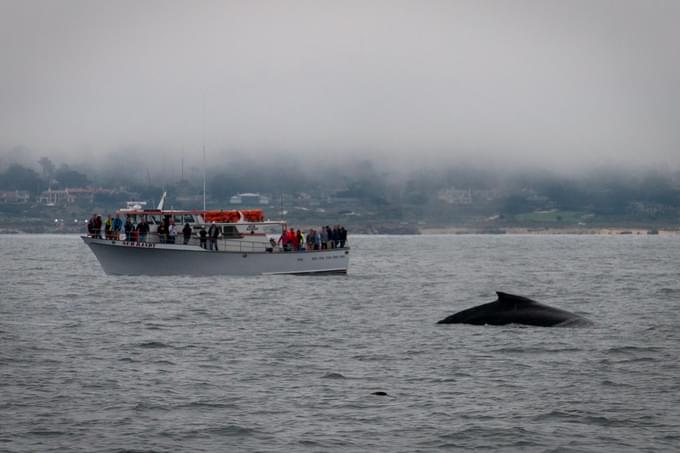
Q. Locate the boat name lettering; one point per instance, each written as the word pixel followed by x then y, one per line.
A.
pixel 146 245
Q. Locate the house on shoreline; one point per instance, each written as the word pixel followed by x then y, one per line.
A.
pixel 15 197
pixel 52 197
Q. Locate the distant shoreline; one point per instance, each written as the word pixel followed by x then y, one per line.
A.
pixel 605 231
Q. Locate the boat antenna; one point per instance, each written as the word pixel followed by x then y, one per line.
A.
pixel 181 166
pixel 204 176
pixel 204 153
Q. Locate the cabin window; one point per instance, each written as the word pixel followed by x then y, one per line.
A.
pixel 230 232
pixel 270 229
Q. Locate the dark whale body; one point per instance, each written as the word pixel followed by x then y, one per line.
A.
pixel 511 309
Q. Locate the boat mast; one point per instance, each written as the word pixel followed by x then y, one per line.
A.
pixel 204 153
pixel 204 175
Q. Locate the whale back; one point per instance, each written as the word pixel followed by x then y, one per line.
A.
pixel 513 309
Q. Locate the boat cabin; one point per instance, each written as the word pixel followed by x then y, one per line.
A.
pixel 245 225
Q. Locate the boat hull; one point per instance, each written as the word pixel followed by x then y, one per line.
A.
pixel 140 258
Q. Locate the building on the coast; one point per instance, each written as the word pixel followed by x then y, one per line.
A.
pixel 14 196
pixel 455 196
pixel 52 197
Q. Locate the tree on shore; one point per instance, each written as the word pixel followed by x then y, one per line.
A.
pixel 18 177
pixel 48 168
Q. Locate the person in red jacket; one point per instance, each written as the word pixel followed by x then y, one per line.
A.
pixel 283 240
pixel 292 239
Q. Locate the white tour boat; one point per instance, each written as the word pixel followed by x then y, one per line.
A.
pixel 247 245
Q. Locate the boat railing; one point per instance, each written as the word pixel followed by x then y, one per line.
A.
pixel 223 244
pixel 239 245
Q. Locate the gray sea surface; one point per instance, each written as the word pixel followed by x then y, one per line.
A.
pixel 90 362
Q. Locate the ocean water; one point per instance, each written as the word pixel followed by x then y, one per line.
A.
pixel 90 362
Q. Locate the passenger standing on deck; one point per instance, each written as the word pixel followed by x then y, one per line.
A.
pixel 283 240
pixel 301 240
pixel 317 240
pixel 91 230
pixel 324 238
pixel 162 231
pixel 343 237
pixel 108 225
pixel 172 233
pixel 204 237
pixel 336 237
pixel 128 228
pixel 143 229
pixel 117 225
pixel 309 239
pixel 292 239
pixel 98 226
pixel 134 233
pixel 331 239
pixel 213 234
pixel 186 231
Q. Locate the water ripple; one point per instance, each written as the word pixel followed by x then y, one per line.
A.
pixel 90 362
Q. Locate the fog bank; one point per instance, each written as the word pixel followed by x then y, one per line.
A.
pixel 563 85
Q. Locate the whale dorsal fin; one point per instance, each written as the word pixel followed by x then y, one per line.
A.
pixel 506 298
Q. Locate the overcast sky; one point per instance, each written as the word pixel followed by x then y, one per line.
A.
pixel 559 83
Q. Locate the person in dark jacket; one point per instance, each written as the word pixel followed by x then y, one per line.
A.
pixel 186 231
pixel 128 228
pixel 343 237
pixel 98 227
pixel 90 226
pixel 204 237
pixel 162 232
pixel 143 229
pixel 213 234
